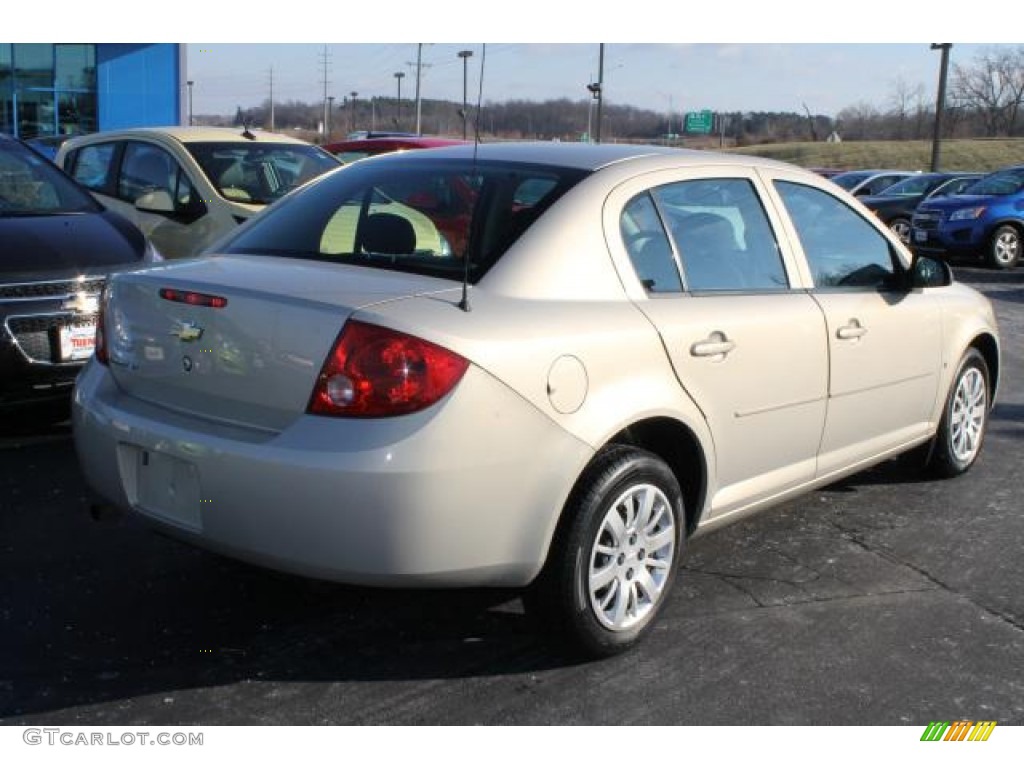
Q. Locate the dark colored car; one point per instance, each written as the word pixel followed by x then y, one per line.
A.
pixel 57 247
pixel 987 220
pixel 897 205
pixel 869 182
pixel 377 144
pixel 48 145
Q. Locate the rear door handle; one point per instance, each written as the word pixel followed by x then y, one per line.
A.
pixel 854 330
pixel 714 346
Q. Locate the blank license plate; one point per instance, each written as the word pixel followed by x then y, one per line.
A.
pixel 168 488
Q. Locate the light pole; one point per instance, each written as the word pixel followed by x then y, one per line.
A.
pixel 353 94
pixel 330 117
pixel 464 55
pixel 596 92
pixel 940 102
pixel 398 117
pixel 419 78
pixel 190 84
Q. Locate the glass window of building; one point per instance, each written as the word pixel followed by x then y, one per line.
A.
pixel 47 89
pixel 6 90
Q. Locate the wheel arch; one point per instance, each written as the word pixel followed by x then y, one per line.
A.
pixel 679 447
pixel 986 344
pixel 673 442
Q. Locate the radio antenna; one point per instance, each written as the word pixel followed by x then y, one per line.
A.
pixel 464 303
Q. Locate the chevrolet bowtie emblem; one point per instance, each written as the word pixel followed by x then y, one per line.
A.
pixel 82 303
pixel 187 331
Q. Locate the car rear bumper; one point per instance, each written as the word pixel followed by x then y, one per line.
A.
pixel 466 493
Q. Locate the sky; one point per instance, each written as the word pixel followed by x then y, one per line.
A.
pixel 745 55
pixel 660 77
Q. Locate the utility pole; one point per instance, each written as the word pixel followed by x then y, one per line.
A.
pixel 464 55
pixel 600 89
pixel 330 117
pixel 271 99
pixel 419 77
pixel 398 118
pixel 940 102
pixel 596 92
pixel 327 106
pixel 353 113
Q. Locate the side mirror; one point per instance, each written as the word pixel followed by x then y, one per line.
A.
pixel 155 201
pixel 930 273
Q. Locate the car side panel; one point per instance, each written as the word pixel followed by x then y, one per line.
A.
pixel 882 385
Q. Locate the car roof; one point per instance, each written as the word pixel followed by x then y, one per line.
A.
pixel 585 157
pixel 391 142
pixel 189 134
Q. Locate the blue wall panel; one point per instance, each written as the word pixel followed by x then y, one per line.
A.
pixel 138 84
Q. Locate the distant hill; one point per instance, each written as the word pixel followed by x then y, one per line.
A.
pixel 956 154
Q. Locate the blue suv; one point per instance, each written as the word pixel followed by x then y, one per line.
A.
pixel 986 219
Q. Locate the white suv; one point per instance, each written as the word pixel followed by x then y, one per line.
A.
pixel 186 187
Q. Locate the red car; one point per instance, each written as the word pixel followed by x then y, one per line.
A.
pixel 356 149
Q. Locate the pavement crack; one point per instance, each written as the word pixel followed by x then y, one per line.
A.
pixel 853 537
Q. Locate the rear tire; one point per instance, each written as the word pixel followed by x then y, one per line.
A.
pixel 613 562
pixel 1004 247
pixel 964 419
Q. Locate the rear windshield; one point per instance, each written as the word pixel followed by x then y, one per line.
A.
pixel 426 217
pixel 259 172
pixel 30 185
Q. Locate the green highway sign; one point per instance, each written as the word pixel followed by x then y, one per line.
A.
pixel 699 122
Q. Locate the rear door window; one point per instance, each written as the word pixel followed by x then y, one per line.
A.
pixel 93 165
pixel 722 235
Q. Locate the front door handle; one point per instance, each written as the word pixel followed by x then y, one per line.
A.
pixel 716 345
pixel 854 330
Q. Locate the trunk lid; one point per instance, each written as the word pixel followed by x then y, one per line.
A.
pixel 254 361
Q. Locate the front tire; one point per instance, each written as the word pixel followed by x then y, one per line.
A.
pixel 964 419
pixel 613 563
pixel 1004 247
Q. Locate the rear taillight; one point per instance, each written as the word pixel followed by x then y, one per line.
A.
pixel 194 298
pixel 100 346
pixel 374 371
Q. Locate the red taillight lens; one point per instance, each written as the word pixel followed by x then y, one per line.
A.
pixel 100 347
pixel 193 298
pixel 374 371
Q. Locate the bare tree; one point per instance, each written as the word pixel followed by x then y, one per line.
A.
pixel 858 120
pixel 810 122
pixel 992 87
pixel 906 101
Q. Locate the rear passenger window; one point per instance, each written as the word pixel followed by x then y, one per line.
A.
pixel 648 246
pixel 722 235
pixel 842 249
pixel 92 166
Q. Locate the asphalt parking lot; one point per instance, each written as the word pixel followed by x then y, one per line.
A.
pixel 883 600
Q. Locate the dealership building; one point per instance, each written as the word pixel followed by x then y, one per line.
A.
pixel 66 88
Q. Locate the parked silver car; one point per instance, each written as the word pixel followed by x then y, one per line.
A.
pixel 601 351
